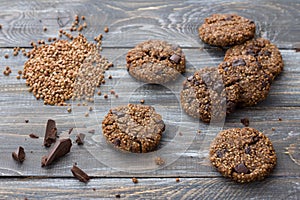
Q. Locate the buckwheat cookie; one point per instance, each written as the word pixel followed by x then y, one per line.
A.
pixel 267 54
pixel 245 73
pixel 203 95
pixel 243 155
pixel 134 128
pixel 155 61
pixel 226 29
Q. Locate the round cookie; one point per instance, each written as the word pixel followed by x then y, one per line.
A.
pixel 243 155
pixel 226 29
pixel 266 53
pixel 245 73
pixel 203 95
pixel 155 61
pixel 134 128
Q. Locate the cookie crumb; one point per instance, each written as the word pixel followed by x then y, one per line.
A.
pixel 118 196
pixel 245 121
pixel 177 180
pixel 69 110
pixel 26 121
pixel 135 180
pixel 279 119
pixel 142 101
pixel 106 29
pixel 273 129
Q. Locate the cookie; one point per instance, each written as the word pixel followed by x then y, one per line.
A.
pixel 245 73
pixel 226 29
pixel 203 95
pixel 243 155
pixel 266 54
pixel 155 61
pixel 133 128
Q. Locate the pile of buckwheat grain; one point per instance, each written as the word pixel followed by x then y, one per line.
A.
pixel 65 69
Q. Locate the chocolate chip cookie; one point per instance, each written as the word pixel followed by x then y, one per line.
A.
pixel 155 61
pixel 226 29
pixel 203 94
pixel 243 155
pixel 267 54
pixel 245 73
pixel 134 128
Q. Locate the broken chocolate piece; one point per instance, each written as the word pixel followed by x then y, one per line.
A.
pixel 241 168
pixel 70 131
pixel 79 138
pixel 61 148
pixel 176 58
pixel 245 121
pixel 34 136
pixel 79 174
pixel 92 131
pixel 50 134
pixel 19 154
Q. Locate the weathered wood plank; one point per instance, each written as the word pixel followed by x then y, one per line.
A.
pixel 17 105
pixel 132 22
pixel 166 188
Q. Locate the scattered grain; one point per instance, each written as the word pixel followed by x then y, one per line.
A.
pixel 135 180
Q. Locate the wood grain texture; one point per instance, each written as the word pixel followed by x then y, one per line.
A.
pixel 17 105
pixel 165 188
pixel 132 22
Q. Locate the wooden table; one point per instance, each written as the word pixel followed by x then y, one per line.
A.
pixel 131 22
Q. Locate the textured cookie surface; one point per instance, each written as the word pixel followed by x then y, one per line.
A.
pixel 245 73
pixel 226 29
pixel 203 94
pixel 133 128
pixel 266 54
pixel 155 61
pixel 243 155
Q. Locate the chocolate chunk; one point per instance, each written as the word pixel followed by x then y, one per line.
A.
pixel 247 150
pixel 117 142
pixel 19 154
pixel 176 58
pixel 241 168
pixel 239 62
pixel 79 174
pixel 255 139
pixel 250 52
pixel 220 153
pixel 245 121
pixel 118 196
pixel 61 148
pixel 51 133
pixel 80 138
pixel 70 131
pixel 92 131
pixel 32 135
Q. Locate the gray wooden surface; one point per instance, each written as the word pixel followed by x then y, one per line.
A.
pixel 131 22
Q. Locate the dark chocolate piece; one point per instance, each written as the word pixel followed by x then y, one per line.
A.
pixel 19 154
pixel 61 148
pixel 51 133
pixel 80 138
pixel 241 168
pixel 79 174
pixel 34 136
pixel 245 121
